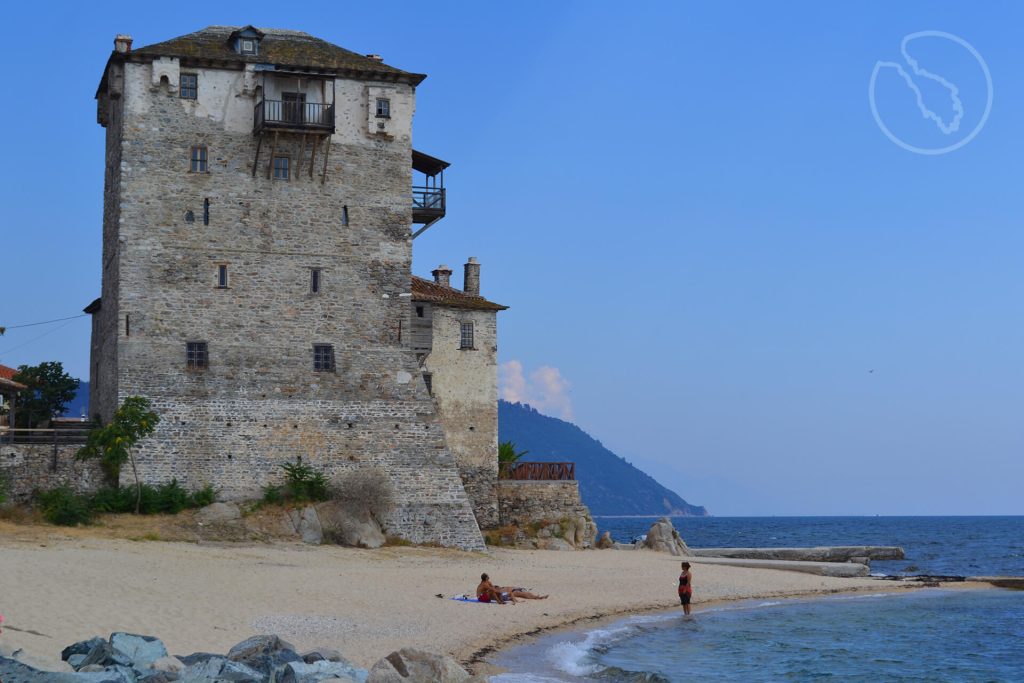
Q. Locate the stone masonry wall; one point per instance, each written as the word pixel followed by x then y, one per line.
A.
pixel 465 386
pixel 260 403
pixel 28 467
pixel 525 502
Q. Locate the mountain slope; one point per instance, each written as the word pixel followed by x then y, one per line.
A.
pixel 608 484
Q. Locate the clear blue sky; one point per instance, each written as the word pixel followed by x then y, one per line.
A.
pixel 731 276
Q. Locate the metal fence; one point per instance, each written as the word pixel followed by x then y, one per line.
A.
pixel 537 471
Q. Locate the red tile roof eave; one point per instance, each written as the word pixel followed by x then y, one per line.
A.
pixel 431 292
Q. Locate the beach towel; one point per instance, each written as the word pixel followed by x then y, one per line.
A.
pixel 467 598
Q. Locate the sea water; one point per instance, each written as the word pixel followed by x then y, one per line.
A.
pixel 927 635
pixel 964 546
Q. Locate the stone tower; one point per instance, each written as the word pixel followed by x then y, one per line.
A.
pixel 256 268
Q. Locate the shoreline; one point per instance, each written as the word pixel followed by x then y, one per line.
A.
pixel 480 660
pixel 68 585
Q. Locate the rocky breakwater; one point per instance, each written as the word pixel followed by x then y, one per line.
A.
pixel 130 658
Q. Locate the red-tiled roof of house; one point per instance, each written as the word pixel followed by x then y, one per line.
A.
pixel 430 291
pixel 7 379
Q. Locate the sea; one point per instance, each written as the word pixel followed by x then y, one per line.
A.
pixel 925 635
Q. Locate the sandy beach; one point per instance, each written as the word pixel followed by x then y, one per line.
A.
pixel 59 588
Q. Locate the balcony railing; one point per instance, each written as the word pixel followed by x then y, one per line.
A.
pixel 64 435
pixel 427 204
pixel 537 471
pixel 297 116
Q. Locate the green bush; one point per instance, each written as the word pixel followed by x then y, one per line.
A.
pixel 302 484
pixel 4 488
pixel 203 497
pixel 111 500
pixel 65 507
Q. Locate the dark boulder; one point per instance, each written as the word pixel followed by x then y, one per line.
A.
pixel 82 647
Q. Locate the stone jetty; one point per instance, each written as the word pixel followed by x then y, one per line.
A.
pixel 836 553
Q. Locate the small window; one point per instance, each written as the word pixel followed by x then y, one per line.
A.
pixel 196 355
pixel 222 276
pixel 323 357
pixel 247 46
pixel 314 280
pixel 198 159
pixel 281 171
pixel 383 108
pixel 344 215
pixel 466 336
pixel 428 379
pixel 206 211
pixel 188 86
pixel 419 311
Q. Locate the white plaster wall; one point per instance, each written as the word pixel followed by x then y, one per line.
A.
pixel 223 96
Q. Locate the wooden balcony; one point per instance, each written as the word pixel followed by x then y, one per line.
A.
pixel 293 117
pixel 537 471
pixel 427 204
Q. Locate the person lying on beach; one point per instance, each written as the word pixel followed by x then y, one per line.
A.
pixel 487 591
pixel 520 593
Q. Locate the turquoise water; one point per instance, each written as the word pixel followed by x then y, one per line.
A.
pixel 965 546
pixel 929 635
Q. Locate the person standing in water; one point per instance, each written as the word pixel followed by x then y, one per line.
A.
pixel 685 588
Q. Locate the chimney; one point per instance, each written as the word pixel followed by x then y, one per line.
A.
pixel 376 58
pixel 442 275
pixel 471 279
pixel 122 43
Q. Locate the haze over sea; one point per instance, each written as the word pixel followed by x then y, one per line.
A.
pixel 927 635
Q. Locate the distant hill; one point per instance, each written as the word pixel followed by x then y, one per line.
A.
pixel 608 484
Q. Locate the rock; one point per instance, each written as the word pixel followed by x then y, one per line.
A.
pixel 89 668
pixel 309 526
pixel 196 658
pixel 75 661
pixel 105 655
pixel 663 537
pixel 352 528
pixel 605 541
pixel 82 647
pixel 13 671
pixel 169 664
pixel 141 651
pixel 219 513
pixel 220 669
pixel 555 544
pixel 408 665
pixel 263 653
pixel 544 533
pixel 301 672
pixel 320 654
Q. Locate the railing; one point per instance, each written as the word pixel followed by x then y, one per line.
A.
pixel 537 471
pixel 63 435
pixel 428 199
pixel 294 115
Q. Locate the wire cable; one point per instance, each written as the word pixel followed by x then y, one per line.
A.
pixel 44 322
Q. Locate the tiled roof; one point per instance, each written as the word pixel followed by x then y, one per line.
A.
pixel 430 291
pixel 7 379
pixel 279 47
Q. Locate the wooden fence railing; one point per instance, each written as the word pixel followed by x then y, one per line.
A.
pixel 537 471
pixel 64 435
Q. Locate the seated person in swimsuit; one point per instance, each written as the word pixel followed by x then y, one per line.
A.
pixel 487 591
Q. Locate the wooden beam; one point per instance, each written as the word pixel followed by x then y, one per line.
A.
pixel 312 157
pixel 273 149
pixel 256 161
pixel 302 153
pixel 327 153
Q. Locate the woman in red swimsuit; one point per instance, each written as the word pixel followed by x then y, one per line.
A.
pixel 685 588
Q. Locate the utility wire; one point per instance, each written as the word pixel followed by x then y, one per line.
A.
pixel 19 346
pixel 45 322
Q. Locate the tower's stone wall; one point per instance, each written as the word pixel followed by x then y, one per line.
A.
pixel 465 385
pixel 260 403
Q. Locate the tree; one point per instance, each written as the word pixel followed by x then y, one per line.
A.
pixel 507 452
pixel 112 443
pixel 49 390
